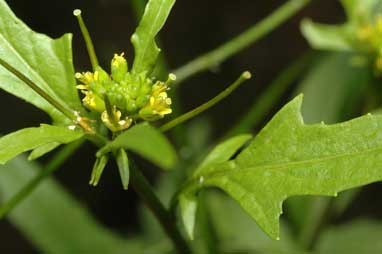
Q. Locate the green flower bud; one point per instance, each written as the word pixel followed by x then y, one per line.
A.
pixel 119 67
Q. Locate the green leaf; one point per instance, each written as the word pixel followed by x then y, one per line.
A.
pixel 47 62
pixel 228 219
pixel 146 50
pixel 146 141
pixel 333 72
pixel 42 150
pixel 123 167
pixel 360 236
pixel 327 37
pixel 288 158
pixel 225 150
pixel 98 168
pixel 221 153
pixel 51 219
pixel 27 139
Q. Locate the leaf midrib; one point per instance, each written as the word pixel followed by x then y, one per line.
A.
pixel 281 166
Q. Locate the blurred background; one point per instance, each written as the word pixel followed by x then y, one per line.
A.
pixel 194 27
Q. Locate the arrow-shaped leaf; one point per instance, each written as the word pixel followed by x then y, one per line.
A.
pixel 47 62
pixel 290 158
pixel 146 50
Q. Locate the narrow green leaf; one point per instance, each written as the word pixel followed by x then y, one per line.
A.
pixel 30 138
pixel 327 37
pixel 47 62
pixel 98 168
pixel 221 153
pixel 289 158
pixel 123 167
pixel 146 141
pixel 42 150
pixel 146 50
pixel 51 219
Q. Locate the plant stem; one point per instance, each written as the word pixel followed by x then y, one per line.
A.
pixel 165 218
pixel 52 166
pixel 256 32
pixel 268 99
pixel 168 126
pixel 67 112
pixel 87 38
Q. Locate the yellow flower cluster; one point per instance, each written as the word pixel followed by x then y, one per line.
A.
pixel 124 97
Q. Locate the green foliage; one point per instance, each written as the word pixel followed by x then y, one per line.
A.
pixel 47 62
pixel 123 167
pixel 346 82
pixel 42 150
pixel 146 141
pixel 361 33
pixel 221 153
pixel 360 236
pixel 27 139
pixel 288 158
pixel 146 50
pixel 51 218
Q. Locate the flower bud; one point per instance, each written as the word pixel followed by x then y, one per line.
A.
pixel 119 67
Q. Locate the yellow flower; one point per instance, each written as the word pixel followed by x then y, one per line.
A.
pixel 158 105
pixel 114 122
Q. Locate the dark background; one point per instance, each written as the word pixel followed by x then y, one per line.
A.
pixel 194 27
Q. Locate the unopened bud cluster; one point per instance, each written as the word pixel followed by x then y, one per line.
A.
pixel 122 96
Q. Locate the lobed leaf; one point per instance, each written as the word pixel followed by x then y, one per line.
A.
pixel 289 158
pixel 27 139
pixel 146 50
pixel 47 62
pixel 146 141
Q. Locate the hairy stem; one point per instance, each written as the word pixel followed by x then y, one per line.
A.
pixel 168 126
pixel 258 31
pixel 87 38
pixel 52 166
pixel 164 216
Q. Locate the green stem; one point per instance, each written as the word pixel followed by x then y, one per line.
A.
pixel 87 38
pixel 273 93
pixel 52 166
pixel 165 218
pixel 68 113
pixel 168 126
pixel 242 41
